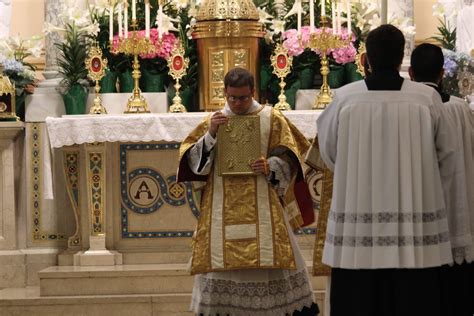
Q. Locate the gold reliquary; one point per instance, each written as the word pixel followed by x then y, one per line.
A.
pixel 238 144
pixel 7 100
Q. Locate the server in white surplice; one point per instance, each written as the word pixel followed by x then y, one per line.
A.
pixel 389 142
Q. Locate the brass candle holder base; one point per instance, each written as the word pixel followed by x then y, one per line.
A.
pixel 325 41
pixel 135 45
pixel 282 105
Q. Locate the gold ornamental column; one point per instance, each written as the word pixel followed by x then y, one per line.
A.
pixel 227 34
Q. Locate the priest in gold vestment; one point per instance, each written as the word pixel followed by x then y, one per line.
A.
pixel 245 256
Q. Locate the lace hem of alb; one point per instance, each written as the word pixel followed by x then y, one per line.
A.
pixel 271 298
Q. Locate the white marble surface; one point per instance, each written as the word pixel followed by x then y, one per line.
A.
pixel 48 102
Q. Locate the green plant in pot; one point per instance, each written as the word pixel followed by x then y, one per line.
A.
pixel 78 30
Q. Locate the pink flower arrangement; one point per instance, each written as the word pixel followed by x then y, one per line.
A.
pixel 296 45
pixel 163 47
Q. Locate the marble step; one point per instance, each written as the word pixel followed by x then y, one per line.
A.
pixel 122 280
pixel 27 301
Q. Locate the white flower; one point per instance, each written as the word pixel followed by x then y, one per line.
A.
pixel 297 8
pixel 92 29
pixel 166 24
pixel 180 4
pixel 49 28
pixel 264 17
pixel 375 22
pixel 278 26
pixel 438 10
pixel 101 6
pixel 268 37
pixel 79 16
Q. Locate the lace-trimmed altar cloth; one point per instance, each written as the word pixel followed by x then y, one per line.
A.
pixel 81 129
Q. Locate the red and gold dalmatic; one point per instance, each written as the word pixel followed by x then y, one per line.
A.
pixel 242 224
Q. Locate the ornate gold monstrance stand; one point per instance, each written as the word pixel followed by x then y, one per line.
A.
pixel 177 64
pixel 325 41
pixel 96 65
pixel 135 45
pixel 281 63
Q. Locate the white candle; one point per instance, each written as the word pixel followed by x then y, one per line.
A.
pixel 383 10
pixel 125 18
pixel 311 16
pixel 111 23
pixel 338 17
pixel 349 27
pixel 119 20
pixel 333 11
pixel 134 9
pixel 147 19
pixel 299 16
pixel 323 7
pixel 160 20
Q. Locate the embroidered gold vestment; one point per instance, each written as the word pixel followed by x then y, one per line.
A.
pixel 242 223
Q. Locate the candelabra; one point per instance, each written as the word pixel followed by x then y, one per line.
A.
pixel 177 64
pixel 281 63
pixel 96 65
pixel 325 41
pixel 135 45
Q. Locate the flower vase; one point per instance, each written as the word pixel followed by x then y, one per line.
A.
pixel 108 84
pixel 152 81
pixel 125 81
pixel 336 76
pixel 351 73
pixel 306 77
pixel 75 99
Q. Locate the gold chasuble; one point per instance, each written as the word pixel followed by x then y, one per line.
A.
pixel 242 225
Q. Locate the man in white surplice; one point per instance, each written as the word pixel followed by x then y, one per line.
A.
pixel 427 67
pixel 388 142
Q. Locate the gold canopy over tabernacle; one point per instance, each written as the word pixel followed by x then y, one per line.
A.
pixel 227 34
pixel 212 10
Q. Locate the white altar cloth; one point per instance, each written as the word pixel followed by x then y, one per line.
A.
pixel 79 129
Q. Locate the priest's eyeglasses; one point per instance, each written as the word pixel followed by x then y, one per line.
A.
pixel 243 98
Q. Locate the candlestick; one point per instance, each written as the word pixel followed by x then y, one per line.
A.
pixel 147 19
pixel 323 7
pixel 333 13
pixel 125 6
pixel 311 16
pixel 349 26
pixel 119 20
pixel 134 9
pixel 299 16
pixel 383 12
pixel 338 17
pixel 160 19
pixel 111 23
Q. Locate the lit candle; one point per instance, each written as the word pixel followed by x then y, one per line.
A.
pixel 333 13
pixel 147 19
pixel 111 23
pixel 338 17
pixel 311 16
pixel 323 7
pixel 119 20
pixel 299 17
pixel 349 27
pixel 134 9
pixel 125 18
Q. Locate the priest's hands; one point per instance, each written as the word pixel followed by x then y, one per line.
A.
pixel 260 166
pixel 217 119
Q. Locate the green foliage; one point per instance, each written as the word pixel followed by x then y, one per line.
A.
pixel 72 54
pixel 445 36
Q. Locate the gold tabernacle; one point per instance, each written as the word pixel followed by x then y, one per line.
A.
pixel 238 145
